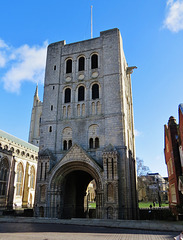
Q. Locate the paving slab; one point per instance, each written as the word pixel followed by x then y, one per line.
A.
pixel 128 224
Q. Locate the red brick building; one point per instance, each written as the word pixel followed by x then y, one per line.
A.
pixel 174 159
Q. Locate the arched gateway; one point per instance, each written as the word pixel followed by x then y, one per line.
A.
pixel 68 184
pixel 87 131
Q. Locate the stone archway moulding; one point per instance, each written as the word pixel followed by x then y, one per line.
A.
pixel 76 159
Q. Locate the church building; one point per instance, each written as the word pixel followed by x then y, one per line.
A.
pixel 18 167
pixel 86 131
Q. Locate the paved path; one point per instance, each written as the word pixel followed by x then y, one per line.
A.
pixel 58 231
pixel 130 224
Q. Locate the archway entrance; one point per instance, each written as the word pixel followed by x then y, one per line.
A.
pixel 75 190
pixel 68 192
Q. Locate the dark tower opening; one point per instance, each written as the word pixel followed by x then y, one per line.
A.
pixel 75 188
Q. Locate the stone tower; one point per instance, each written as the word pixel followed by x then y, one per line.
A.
pixel 87 130
pixel 34 131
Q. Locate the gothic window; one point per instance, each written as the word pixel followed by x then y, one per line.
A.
pixel 69 66
pixel 32 177
pixel 91 143
pixel 51 107
pixel 95 91
pixel 4 166
pixel 94 61
pixel 67 95
pixel 70 144
pixel 81 66
pixel 96 142
pixel 65 145
pixel 81 93
pixel 19 183
pixel 55 67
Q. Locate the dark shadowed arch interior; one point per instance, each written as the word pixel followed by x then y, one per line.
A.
pixel 75 187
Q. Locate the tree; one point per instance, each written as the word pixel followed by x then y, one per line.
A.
pixel 142 170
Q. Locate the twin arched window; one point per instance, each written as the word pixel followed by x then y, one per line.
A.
pixel 94 143
pixel 67 138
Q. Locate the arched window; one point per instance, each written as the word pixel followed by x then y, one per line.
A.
pixel 32 177
pixel 81 65
pixel 65 145
pixel 67 95
pixel 96 142
pixel 95 91
pixel 4 166
pixel 69 66
pixel 50 128
pixel 70 144
pixel 91 143
pixel 94 61
pixel 19 183
pixel 81 93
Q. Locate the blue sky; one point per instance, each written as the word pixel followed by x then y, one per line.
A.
pixel 152 33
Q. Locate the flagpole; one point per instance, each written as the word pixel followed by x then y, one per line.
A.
pixel 91 23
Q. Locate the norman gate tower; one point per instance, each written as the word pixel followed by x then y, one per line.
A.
pixel 87 131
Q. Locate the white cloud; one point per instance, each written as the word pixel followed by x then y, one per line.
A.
pixel 2 59
pixel 3 44
pixel 22 64
pixel 137 133
pixel 3 49
pixel 174 18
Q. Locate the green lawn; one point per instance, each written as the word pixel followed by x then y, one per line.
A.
pixel 147 204
pixel 141 205
pixel 92 205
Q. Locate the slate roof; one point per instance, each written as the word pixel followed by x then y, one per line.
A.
pixel 18 141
